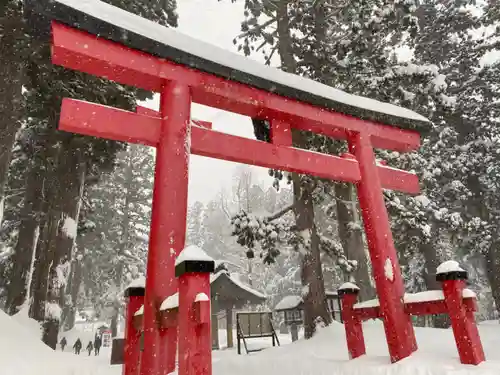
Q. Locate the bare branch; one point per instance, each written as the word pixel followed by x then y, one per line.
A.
pixel 223 205
pixel 281 213
pixel 268 60
pixel 256 28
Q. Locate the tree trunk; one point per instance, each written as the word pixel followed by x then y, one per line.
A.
pixel 432 262
pixel 288 63
pixel 351 237
pixel 125 238
pixel 11 69
pixel 311 273
pixel 493 272
pixel 40 272
pixel 64 217
pixel 29 230
pixel 313 292
pixel 75 281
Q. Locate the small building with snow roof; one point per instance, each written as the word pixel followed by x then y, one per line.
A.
pixel 227 294
pixel 292 308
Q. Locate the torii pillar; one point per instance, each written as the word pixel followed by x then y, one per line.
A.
pixel 168 224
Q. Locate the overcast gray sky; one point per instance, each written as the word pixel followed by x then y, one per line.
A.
pixel 215 22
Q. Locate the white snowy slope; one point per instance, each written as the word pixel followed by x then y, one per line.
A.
pixel 209 52
pixel 22 353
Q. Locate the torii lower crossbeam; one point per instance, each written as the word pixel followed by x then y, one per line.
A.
pixel 171 132
pixel 144 127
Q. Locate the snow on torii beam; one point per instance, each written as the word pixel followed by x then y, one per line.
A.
pixel 144 128
pixel 81 51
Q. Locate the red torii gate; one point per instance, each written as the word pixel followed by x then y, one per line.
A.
pixel 96 38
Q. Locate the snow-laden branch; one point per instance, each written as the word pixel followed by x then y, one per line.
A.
pixel 252 230
pixel 335 250
pixel 6 253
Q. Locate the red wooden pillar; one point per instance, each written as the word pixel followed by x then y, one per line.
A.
pixel 193 268
pixel 348 294
pixel 168 224
pixel 132 353
pixel 386 271
pixel 463 323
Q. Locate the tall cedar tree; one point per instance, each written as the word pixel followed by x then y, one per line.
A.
pixel 358 53
pixel 66 160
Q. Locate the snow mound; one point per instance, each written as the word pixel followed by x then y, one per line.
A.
pixel 326 354
pixel 23 353
pixel 23 319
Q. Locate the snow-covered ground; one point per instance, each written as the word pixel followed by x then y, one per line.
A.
pixel 21 353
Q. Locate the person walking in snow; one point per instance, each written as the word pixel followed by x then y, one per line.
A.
pixel 97 344
pixel 78 346
pixel 63 343
pixel 90 347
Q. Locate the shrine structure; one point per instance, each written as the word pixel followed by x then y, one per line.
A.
pixel 96 38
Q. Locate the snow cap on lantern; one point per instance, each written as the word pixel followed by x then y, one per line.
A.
pixel 170 303
pixel 348 288
pixel 140 311
pixel 193 259
pixel 136 288
pixel 450 270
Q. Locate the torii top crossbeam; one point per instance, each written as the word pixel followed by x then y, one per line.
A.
pixel 114 24
pixel 99 39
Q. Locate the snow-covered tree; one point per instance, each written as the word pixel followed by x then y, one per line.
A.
pixel 117 244
pixel 45 85
pixel 360 47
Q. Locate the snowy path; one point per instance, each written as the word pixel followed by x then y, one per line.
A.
pixel 327 355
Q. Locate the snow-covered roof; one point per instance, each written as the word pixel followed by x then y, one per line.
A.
pixel 193 253
pixel 112 23
pixel 288 303
pixel 238 283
